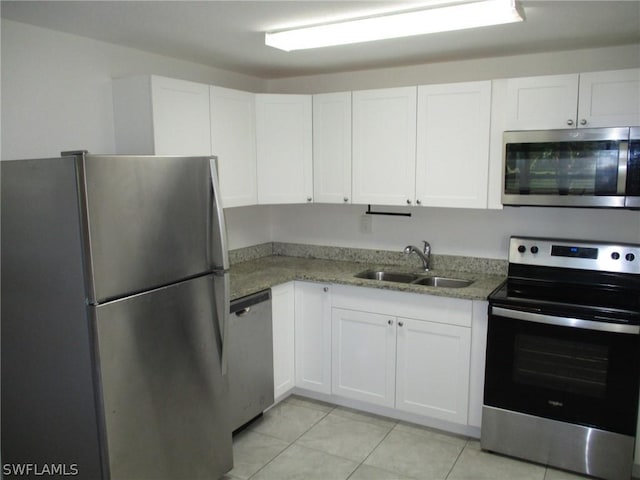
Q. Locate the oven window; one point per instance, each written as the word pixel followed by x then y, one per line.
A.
pixel 569 374
pixel 563 365
pixel 562 168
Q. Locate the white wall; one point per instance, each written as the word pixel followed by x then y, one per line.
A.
pixel 56 89
pixel 482 233
pixel 573 61
pixel 247 226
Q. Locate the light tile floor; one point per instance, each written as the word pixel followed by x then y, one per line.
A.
pixel 309 440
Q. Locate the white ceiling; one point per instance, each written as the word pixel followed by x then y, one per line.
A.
pixel 230 34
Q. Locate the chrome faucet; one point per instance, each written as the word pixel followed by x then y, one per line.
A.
pixel 425 256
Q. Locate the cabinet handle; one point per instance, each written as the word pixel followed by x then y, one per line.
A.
pixel 309 199
pixel 346 199
pixel 325 289
pixel 390 322
pixel 408 202
pixel 419 202
pixel 400 324
pixel 569 122
pixel 583 121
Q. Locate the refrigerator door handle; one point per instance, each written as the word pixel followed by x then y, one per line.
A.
pixel 220 255
pixel 223 305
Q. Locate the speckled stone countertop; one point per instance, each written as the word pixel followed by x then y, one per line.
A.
pixel 256 269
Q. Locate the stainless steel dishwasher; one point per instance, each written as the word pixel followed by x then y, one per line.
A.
pixel 250 357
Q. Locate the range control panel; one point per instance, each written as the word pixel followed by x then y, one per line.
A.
pixel 585 255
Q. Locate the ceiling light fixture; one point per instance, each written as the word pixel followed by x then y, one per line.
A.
pixel 403 24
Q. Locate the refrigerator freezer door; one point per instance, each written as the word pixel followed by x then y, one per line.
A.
pixel 148 221
pixel 165 401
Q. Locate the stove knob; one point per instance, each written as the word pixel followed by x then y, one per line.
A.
pixel 615 255
pixel 630 257
pixel 534 249
pixel 522 249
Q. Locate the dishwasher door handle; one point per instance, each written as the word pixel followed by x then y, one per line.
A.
pixel 243 312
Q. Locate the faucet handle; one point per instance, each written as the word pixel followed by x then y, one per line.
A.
pixel 427 246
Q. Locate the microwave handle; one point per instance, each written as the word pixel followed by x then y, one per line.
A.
pixel 623 159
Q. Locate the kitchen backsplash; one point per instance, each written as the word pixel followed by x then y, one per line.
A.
pixel 361 255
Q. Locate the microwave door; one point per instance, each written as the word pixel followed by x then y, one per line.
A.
pixel 565 168
pixel 632 199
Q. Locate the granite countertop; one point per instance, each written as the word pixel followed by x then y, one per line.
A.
pixel 261 273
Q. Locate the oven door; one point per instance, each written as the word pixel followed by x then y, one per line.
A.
pixel 564 369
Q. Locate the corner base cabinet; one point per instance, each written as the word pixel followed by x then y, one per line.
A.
pixel 313 336
pixel 283 317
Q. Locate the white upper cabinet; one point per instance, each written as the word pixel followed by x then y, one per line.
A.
pixel 452 161
pixel 609 99
pixel 332 147
pixel 384 146
pixel 586 100
pixel 542 102
pixel 284 148
pixel 161 116
pixel 233 136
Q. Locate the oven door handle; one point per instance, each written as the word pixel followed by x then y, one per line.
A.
pixel 566 321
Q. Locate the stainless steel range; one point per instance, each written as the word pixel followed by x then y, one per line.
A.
pixel 563 356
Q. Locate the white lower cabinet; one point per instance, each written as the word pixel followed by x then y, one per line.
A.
pixel 404 351
pixel 313 336
pixel 283 318
pixel 432 369
pixel 363 356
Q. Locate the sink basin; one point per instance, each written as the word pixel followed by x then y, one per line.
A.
pixel 402 277
pixel 399 277
pixel 443 282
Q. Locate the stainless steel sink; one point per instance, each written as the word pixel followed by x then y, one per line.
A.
pixel 403 277
pixel 443 282
pixel 399 277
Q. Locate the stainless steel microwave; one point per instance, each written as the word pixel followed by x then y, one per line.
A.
pixel 590 167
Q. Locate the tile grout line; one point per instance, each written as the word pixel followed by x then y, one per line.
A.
pixel 292 442
pixel 466 444
pixel 373 450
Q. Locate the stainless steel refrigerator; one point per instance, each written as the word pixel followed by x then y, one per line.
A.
pixel 115 295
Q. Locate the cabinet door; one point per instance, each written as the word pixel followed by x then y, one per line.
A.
pixel 332 147
pixel 433 369
pixel 180 117
pixel 542 102
pixel 609 99
pixel 384 146
pixel 161 116
pixel 453 145
pixel 283 315
pixel 363 356
pixel 313 336
pixel 476 370
pixel 233 135
pixel 284 148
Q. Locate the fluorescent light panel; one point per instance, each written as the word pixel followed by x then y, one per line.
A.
pixel 455 17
